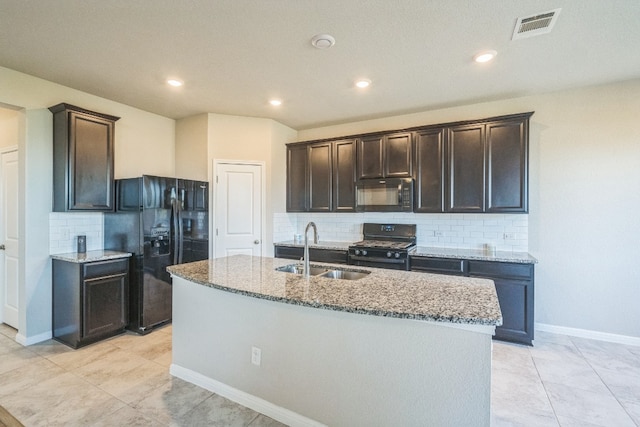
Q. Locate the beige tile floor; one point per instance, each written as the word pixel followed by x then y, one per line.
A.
pixel 125 380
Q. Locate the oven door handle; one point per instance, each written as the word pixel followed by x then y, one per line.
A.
pixel 378 259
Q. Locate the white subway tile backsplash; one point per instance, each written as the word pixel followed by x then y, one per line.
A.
pixel 466 231
pixel 64 229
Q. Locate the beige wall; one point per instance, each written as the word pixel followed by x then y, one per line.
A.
pixel 9 126
pixel 584 199
pixel 191 147
pixel 254 139
pixel 205 138
pixel 144 143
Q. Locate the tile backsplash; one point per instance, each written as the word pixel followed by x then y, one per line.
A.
pixel 466 231
pixel 64 229
pixel 506 232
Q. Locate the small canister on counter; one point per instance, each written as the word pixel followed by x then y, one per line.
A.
pixel 82 244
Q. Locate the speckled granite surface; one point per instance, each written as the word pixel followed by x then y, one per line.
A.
pixel 341 246
pixel 499 256
pixel 91 256
pixel 391 293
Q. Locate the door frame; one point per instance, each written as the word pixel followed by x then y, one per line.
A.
pixel 5 150
pixel 215 166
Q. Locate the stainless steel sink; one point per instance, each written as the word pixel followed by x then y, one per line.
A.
pixel 298 269
pixel 345 275
pixel 324 272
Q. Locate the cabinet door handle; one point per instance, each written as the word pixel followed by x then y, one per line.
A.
pixel 109 277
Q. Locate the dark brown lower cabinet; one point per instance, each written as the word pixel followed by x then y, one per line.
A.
pixel 90 300
pixel 315 254
pixel 514 286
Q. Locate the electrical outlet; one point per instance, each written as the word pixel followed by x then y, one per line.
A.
pixel 438 233
pixel 64 234
pixel 256 356
pixel 509 236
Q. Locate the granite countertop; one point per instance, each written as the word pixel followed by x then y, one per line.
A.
pixel 434 252
pixel 499 256
pixel 341 246
pixel 391 293
pixel 91 256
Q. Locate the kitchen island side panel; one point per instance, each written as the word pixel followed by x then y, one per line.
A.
pixel 337 368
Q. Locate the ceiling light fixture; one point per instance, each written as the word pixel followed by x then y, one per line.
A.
pixel 363 83
pixel 323 41
pixel 275 102
pixel 175 82
pixel 485 56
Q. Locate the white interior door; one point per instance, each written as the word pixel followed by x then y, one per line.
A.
pixel 238 208
pixel 9 237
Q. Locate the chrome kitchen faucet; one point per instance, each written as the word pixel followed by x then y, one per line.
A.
pixel 306 269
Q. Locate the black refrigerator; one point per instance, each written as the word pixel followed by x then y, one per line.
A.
pixel 161 221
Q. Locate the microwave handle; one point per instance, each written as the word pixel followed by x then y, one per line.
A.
pixel 400 194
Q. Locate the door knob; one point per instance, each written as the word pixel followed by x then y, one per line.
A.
pixel 1 247
pixel 256 242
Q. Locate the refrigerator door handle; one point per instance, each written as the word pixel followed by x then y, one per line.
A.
pixel 175 236
pixel 180 231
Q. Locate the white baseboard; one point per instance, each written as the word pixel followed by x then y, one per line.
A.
pixel 585 333
pixel 35 339
pixel 278 413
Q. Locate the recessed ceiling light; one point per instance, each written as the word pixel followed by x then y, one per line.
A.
pixel 363 83
pixel 175 82
pixel 275 102
pixel 323 41
pixel 485 56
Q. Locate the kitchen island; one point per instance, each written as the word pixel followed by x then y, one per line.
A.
pixel 392 348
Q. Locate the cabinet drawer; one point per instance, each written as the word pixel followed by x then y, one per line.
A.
pixel 439 265
pixel 288 252
pixel 328 255
pixel 501 269
pixel 105 268
pixel 319 255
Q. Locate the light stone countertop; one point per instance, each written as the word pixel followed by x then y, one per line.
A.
pixel 390 293
pixel 433 252
pixel 472 254
pixel 90 256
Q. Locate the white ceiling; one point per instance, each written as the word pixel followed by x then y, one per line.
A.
pixel 234 55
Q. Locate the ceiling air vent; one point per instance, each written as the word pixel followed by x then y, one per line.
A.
pixel 535 25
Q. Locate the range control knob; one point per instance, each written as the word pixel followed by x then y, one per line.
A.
pixel 388 254
pixel 364 252
pixel 397 255
pixel 357 251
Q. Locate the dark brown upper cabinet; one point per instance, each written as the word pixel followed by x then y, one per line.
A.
pixel 487 166
pixel 465 168
pixel 83 143
pixel 384 156
pixel 429 170
pixel 478 166
pixel 507 162
pixel 344 175
pixel 296 178
pixel 321 176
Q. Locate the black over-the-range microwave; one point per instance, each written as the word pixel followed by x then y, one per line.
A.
pixel 384 195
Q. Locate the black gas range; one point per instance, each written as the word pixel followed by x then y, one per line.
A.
pixel 384 246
